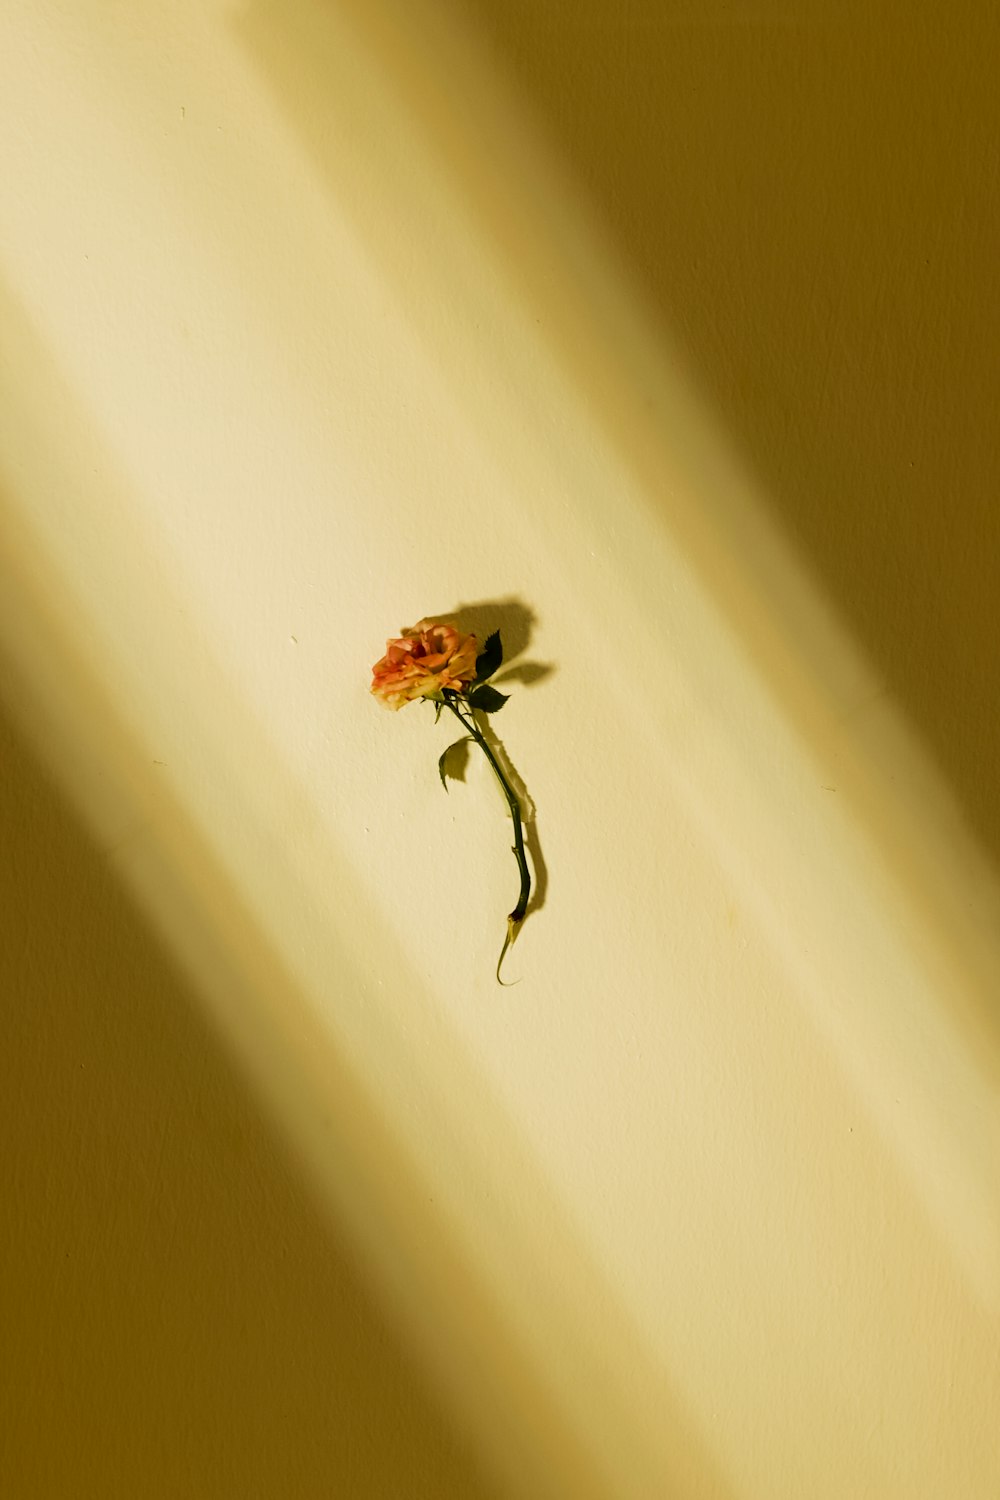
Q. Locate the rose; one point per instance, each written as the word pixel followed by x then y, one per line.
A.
pixel 436 662
pixel 423 662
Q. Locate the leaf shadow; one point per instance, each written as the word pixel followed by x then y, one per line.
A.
pixel 528 672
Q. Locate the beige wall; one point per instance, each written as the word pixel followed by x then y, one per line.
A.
pixel 805 196
pixel 178 1319
pixel 661 338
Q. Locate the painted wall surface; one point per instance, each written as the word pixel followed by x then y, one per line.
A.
pixel 804 196
pixel 617 331
pixel 178 1320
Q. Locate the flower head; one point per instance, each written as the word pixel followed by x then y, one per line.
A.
pixel 424 661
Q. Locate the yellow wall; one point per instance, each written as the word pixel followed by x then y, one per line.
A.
pixel 177 1317
pixel 804 197
pixel 661 338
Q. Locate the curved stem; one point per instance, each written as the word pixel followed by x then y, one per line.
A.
pixel 516 917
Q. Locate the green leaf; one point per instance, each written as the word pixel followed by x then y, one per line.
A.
pixel 490 658
pixel 487 699
pixel 459 771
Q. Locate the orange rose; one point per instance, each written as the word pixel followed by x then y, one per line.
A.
pixel 423 662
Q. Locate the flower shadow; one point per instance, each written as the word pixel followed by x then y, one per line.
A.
pixel 510 616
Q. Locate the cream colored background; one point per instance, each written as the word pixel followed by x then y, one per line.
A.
pixel 674 329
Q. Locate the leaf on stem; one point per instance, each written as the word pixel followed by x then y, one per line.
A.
pixel 487 699
pixel 458 768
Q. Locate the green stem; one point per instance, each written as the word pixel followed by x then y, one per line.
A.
pixel 517 916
